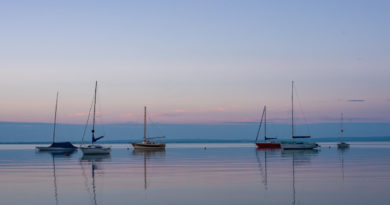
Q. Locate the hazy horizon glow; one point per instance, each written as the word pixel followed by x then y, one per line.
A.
pixel 195 61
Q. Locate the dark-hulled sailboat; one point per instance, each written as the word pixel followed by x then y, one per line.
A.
pixel 147 143
pixel 57 146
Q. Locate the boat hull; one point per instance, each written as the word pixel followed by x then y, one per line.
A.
pixel 58 147
pixel 266 145
pixel 298 146
pixel 148 146
pixel 95 150
pixel 55 149
pixel 342 145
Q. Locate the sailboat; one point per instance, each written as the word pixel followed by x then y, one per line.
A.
pixel 93 148
pixel 147 143
pixel 266 143
pixel 296 144
pixel 342 144
pixel 57 146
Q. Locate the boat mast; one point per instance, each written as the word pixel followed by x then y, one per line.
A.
pixel 55 119
pixel 94 113
pixel 265 123
pixel 342 127
pixel 145 124
pixel 261 122
pixel 292 109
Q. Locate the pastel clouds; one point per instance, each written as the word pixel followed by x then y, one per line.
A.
pixel 78 114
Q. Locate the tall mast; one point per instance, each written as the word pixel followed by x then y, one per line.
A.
pixel 145 124
pixel 261 122
pixel 94 113
pixel 265 123
pixel 292 109
pixel 55 119
pixel 342 127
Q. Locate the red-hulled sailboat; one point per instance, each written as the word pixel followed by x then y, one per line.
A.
pixel 268 141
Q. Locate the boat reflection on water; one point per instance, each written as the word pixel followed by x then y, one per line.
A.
pixel 267 152
pixel 95 161
pixel 299 157
pixel 147 155
pixel 341 154
pixel 57 155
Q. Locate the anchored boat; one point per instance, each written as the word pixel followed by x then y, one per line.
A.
pixel 296 144
pixel 147 143
pixel 342 144
pixel 92 148
pixel 268 141
pixel 57 146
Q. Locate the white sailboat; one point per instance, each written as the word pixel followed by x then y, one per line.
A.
pixel 293 144
pixel 57 146
pixel 147 143
pixel 93 148
pixel 342 144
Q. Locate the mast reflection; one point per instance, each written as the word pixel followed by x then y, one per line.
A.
pixel 57 155
pixel 299 157
pixel 264 171
pixel 95 161
pixel 147 155
pixel 341 152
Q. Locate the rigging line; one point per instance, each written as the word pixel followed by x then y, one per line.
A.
pixel 303 114
pixel 156 125
pixel 271 124
pixel 153 124
pixel 261 122
pixel 86 124
pixel 55 119
pixel 100 118
pixel 274 129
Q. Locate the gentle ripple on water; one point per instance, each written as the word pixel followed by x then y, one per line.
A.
pixel 189 174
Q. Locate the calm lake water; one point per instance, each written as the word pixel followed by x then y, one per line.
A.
pixel 189 174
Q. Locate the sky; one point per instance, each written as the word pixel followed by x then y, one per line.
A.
pixel 195 61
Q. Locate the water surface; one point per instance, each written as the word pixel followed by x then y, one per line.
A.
pixel 189 174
